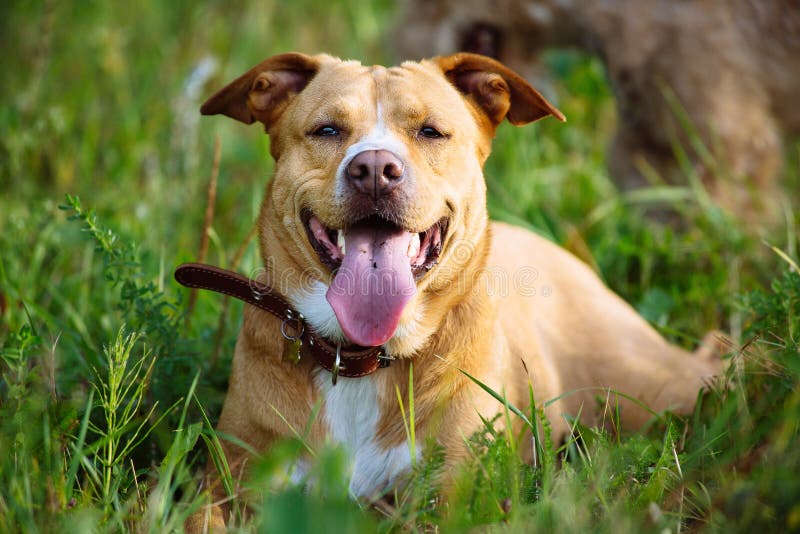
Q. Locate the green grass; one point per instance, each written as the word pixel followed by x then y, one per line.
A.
pixel 109 390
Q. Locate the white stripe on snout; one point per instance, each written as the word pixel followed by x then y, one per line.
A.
pixel 379 138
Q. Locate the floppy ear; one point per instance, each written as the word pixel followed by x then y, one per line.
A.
pixel 262 92
pixel 497 90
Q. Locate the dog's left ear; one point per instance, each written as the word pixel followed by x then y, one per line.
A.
pixel 497 90
pixel 262 93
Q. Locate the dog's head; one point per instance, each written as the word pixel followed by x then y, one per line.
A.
pixel 375 219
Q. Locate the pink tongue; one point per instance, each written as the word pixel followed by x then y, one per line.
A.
pixel 373 284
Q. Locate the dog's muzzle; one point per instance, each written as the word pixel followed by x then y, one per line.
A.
pixel 375 173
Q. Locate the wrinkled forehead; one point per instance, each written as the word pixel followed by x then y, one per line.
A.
pixel 412 91
pixel 420 91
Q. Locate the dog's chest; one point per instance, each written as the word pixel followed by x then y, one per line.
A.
pixel 352 412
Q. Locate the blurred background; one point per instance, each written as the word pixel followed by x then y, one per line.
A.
pixel 100 100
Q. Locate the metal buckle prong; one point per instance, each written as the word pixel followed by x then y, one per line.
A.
pixel 337 364
pixel 384 360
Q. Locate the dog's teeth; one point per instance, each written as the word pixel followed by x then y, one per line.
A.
pixel 340 241
pixel 413 247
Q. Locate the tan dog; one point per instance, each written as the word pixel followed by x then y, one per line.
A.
pixel 733 67
pixel 374 227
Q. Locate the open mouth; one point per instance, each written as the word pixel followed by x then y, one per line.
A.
pixel 330 245
pixel 375 266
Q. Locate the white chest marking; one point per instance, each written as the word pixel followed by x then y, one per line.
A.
pixel 352 414
pixel 317 311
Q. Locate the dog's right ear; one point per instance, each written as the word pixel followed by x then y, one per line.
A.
pixel 261 93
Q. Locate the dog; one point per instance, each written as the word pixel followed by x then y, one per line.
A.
pixel 375 237
pixel 725 74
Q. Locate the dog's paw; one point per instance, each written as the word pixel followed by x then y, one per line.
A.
pixel 712 348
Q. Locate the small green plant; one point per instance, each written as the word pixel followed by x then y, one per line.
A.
pixel 15 354
pixel 120 388
pixel 24 464
pixel 145 306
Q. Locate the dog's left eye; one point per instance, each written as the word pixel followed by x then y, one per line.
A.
pixel 326 131
pixel 430 132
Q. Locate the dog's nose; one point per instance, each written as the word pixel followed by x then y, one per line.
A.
pixel 375 172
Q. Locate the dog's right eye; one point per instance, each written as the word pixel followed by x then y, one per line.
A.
pixel 430 132
pixel 326 130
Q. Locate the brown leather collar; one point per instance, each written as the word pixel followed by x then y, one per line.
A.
pixel 349 361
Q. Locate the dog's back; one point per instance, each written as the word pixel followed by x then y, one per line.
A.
pixel 563 322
